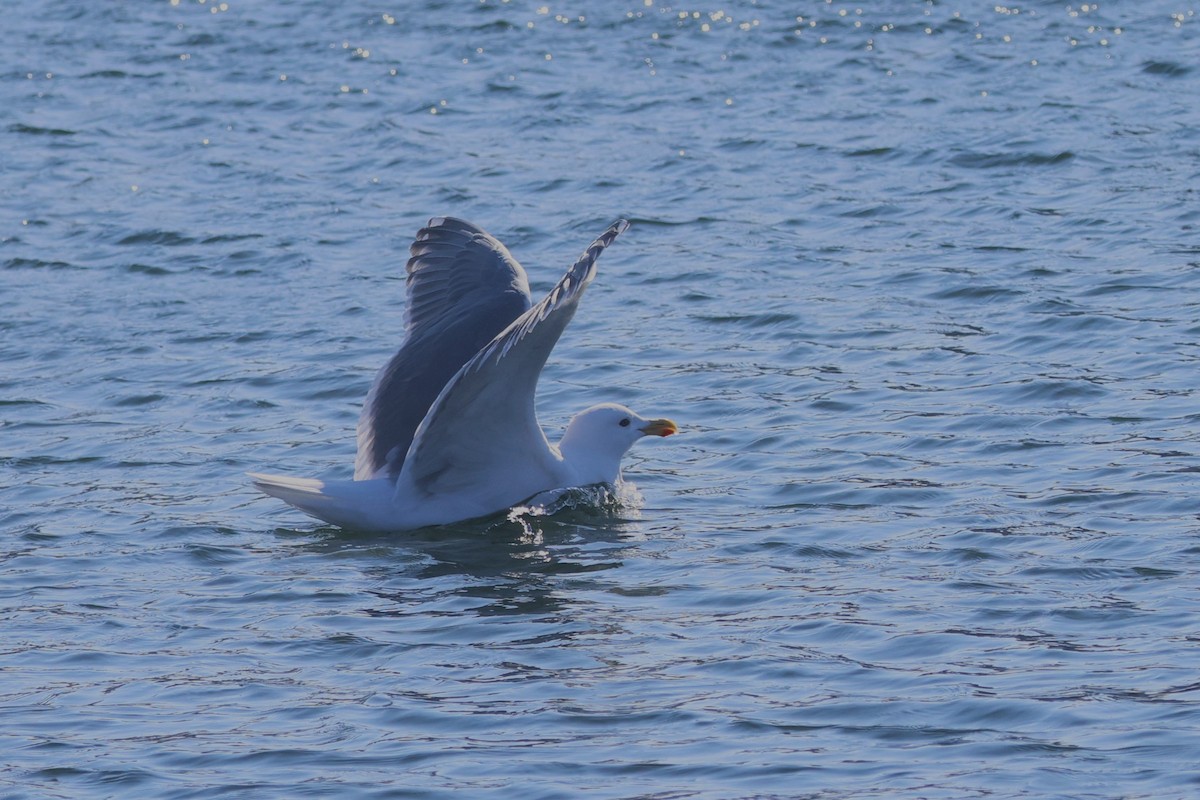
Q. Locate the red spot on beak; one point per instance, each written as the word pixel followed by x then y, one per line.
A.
pixel 660 427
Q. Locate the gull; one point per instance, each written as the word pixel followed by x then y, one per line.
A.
pixel 448 431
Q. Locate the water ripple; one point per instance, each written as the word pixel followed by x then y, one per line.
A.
pixel 917 282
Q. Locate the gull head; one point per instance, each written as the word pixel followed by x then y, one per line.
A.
pixel 599 436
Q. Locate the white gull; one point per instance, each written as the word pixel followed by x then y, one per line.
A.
pixel 448 431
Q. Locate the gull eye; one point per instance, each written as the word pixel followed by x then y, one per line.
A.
pixel 625 422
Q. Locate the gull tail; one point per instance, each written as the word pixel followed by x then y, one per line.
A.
pixel 350 504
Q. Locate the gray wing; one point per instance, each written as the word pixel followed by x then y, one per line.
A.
pixel 484 421
pixel 464 287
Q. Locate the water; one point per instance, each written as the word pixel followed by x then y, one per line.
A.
pixel 919 280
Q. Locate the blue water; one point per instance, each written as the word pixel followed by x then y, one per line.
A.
pixel 920 281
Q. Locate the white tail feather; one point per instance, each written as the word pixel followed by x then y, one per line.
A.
pixel 351 504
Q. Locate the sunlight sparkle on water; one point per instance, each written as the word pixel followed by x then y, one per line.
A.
pixel 935 382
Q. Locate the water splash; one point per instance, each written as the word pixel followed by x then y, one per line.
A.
pixel 576 505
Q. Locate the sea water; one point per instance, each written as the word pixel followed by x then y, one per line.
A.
pixel 918 280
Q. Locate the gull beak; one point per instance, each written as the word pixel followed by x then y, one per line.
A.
pixel 659 427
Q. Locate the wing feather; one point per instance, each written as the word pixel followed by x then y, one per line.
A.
pixel 484 423
pixel 464 287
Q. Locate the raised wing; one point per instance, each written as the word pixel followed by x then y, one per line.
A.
pixel 464 287
pixel 484 421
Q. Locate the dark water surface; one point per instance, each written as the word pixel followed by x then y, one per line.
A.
pixel 920 280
